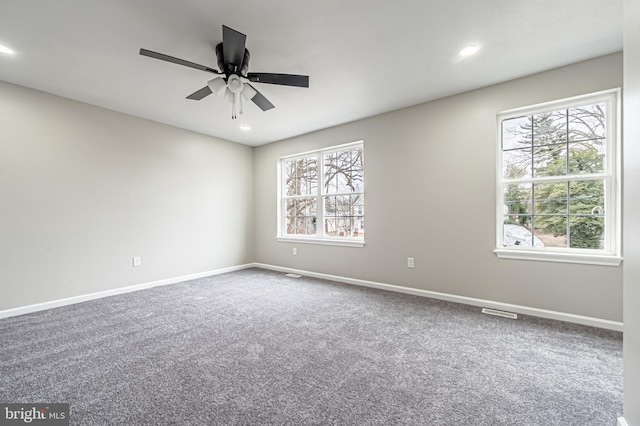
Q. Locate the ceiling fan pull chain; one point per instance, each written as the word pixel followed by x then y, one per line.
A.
pixel 233 108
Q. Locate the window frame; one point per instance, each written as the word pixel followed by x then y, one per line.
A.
pixel 319 237
pixel 611 176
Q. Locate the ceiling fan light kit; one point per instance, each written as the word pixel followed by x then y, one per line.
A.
pixel 233 62
pixel 248 92
pixel 217 86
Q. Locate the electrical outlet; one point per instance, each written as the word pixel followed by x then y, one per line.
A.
pixel 295 251
pixel 137 261
pixel 410 262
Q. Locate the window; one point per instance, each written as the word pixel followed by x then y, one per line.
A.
pixel 322 196
pixel 558 181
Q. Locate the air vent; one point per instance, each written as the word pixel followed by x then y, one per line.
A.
pixel 497 313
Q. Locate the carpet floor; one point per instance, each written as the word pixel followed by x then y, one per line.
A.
pixel 254 347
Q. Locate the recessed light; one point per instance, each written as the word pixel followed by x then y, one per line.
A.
pixel 470 50
pixel 245 127
pixel 5 49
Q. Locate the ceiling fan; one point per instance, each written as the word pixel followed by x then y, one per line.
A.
pixel 233 62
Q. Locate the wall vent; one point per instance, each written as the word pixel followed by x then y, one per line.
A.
pixel 497 313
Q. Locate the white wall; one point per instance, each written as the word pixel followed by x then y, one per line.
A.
pixel 430 194
pixel 631 212
pixel 84 189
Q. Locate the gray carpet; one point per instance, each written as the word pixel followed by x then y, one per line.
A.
pixel 257 348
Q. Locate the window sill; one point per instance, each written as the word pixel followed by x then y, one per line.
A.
pixel 323 241
pixel 585 258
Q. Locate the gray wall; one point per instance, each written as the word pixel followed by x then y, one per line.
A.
pixel 430 194
pixel 632 212
pixel 84 189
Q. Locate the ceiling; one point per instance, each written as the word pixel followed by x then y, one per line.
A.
pixel 364 57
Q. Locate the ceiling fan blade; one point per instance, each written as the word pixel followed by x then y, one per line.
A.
pixel 282 79
pixel 163 57
pixel 199 94
pixel 233 44
pixel 259 99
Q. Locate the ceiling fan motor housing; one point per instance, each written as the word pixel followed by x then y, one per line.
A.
pixel 227 67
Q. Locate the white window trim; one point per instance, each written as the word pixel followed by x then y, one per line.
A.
pixel 613 181
pixel 323 241
pixel 315 239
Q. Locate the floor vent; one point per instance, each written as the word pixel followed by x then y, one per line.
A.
pixel 293 275
pixel 497 313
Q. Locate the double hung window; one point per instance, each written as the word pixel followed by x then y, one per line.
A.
pixel 559 181
pixel 322 196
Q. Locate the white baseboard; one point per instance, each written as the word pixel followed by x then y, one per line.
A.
pixel 621 421
pixel 91 296
pixel 577 319
pixel 525 310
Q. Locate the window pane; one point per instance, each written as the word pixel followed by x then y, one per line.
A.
pixel 549 239
pixel 520 220
pixel 550 198
pixel 307 206
pixel 344 216
pixel 517 201
pixel 308 182
pixel 587 157
pixel 301 176
pixel 551 230
pixel 357 202
pixel 515 235
pixel 340 205
pixel 586 197
pixel 301 216
pixel 516 133
pixel 345 227
pixel 358 226
pixel 550 127
pixel 550 218
pixel 329 206
pixel 516 163
pixel 309 224
pixel 330 227
pixel 343 206
pixel 550 160
pixel 291 225
pixel 357 211
pixel 290 177
pixel 290 214
pixel 587 232
pixel 357 174
pixel 343 171
pixel 330 173
pixel 339 227
pixel 587 214
pixel 587 122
